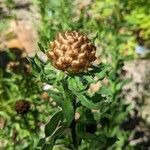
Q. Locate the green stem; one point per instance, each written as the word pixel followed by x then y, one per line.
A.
pixel 73 130
pixel 73 134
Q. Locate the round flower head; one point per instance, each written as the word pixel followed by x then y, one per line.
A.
pixel 22 106
pixel 72 52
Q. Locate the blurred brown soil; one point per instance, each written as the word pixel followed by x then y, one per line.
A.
pixel 137 94
pixel 22 31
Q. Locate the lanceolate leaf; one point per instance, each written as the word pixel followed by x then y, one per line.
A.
pixel 88 78
pixel 58 132
pixel 79 83
pixel 72 85
pixel 67 105
pixel 76 85
pixel 41 47
pixel 41 143
pixel 37 62
pixel 68 110
pixel 122 83
pixel 47 146
pixel 104 90
pixel 52 124
pixel 57 98
pixel 88 103
pixel 102 74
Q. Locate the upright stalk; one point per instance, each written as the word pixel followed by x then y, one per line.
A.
pixel 73 129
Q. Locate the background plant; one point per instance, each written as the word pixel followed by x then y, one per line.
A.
pixel 16 84
pixel 116 27
pixel 112 94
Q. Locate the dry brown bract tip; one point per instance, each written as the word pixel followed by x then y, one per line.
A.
pixel 22 107
pixel 72 52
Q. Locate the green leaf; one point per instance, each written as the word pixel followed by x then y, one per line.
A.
pixel 67 105
pixel 59 131
pixel 111 141
pixel 89 78
pixel 49 70
pixel 47 146
pixel 51 77
pixel 79 83
pixel 104 90
pixel 96 36
pixel 59 76
pixel 102 139
pixel 97 97
pixel 92 137
pixel 88 136
pixel 52 124
pixel 4 114
pixel 88 103
pixel 68 110
pixel 122 83
pixel 72 85
pixel 113 75
pixel 102 74
pixel 75 84
pixel 57 98
pixel 96 69
pixel 41 143
pixel 104 106
pixel 1 74
pixel 41 47
pixel 37 62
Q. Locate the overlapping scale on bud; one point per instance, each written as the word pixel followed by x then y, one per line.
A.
pixel 72 52
pixel 22 107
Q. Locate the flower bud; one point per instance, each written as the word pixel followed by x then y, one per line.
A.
pixel 72 52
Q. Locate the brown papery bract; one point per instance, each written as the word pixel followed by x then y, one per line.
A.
pixel 72 52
